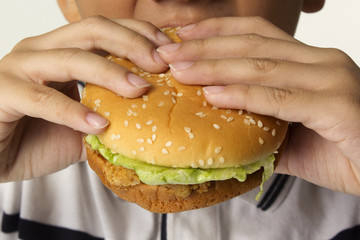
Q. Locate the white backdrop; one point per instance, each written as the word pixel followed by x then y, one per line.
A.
pixel 337 25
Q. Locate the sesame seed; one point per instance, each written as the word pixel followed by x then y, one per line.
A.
pixel 134 70
pixel 204 103
pixel 193 165
pixel 144 106
pixel 179 94
pixel 266 129
pixel 126 123
pixel 173 100
pixel 149 141
pixel 133 152
pixel 153 137
pixel 230 119
pixel 223 116
pixel 160 80
pixel 161 104
pixel 95 109
pixel 112 136
pixel 210 161
pixel 154 128
pixel 198 93
pixel 201 162
pixel 168 144
pixel 134 105
pixel 97 102
pixel 228 111
pixel 273 132
pixel 129 112
pixel 164 151
pixel 166 92
pixel 187 129
pixel 142 74
pixel 181 148
pixel 138 126
pixel 160 84
pixel 214 108
pixel 152 161
pixel 222 159
pixel 174 94
pixel 106 114
pixel 200 114
pixel 145 98
pixel 278 123
pixel 140 140
pixel 275 152
pixel 191 135
pixel 260 124
pixel 261 141
pixel 247 122
pixel 252 121
pixel 141 149
pixel 218 149
pixel 161 75
pixel 216 126
pixel 240 112
pixel 149 122
pixel 135 114
pixel 169 84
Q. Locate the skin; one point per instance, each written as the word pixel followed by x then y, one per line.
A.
pixel 317 89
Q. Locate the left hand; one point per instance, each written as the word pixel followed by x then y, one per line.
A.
pixel 248 63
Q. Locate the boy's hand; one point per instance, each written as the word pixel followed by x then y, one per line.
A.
pixel 250 64
pixel 41 120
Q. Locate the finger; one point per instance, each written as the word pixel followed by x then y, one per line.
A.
pixel 39 101
pixel 277 102
pixel 226 26
pixel 249 45
pixel 104 34
pixel 250 71
pixel 63 65
pixel 146 29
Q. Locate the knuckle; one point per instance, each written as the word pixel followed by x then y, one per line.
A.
pixel 254 39
pixel 42 96
pixel 279 98
pixel 263 65
pixel 69 54
pixel 23 44
pixel 202 44
pixel 259 22
pixel 337 54
pixel 94 21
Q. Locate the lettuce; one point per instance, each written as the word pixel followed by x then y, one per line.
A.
pixel 158 175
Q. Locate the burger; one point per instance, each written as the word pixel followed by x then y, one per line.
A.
pixel 170 150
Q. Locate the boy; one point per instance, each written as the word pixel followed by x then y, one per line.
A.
pixel 317 89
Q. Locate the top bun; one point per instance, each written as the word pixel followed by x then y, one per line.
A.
pixel 173 125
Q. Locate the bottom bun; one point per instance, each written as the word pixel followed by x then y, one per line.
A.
pixel 168 198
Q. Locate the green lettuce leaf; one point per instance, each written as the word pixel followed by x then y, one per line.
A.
pixel 158 175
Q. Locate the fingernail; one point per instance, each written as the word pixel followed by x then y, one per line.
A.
pixel 137 81
pixel 181 66
pixel 169 48
pixel 158 59
pixel 210 90
pixel 163 38
pixel 96 121
pixel 186 28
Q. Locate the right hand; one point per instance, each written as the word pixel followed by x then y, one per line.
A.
pixel 41 121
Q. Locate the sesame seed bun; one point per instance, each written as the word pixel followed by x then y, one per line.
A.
pixel 174 126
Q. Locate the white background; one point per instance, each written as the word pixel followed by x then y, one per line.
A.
pixel 337 25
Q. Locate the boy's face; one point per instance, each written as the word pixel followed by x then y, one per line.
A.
pixel 163 13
